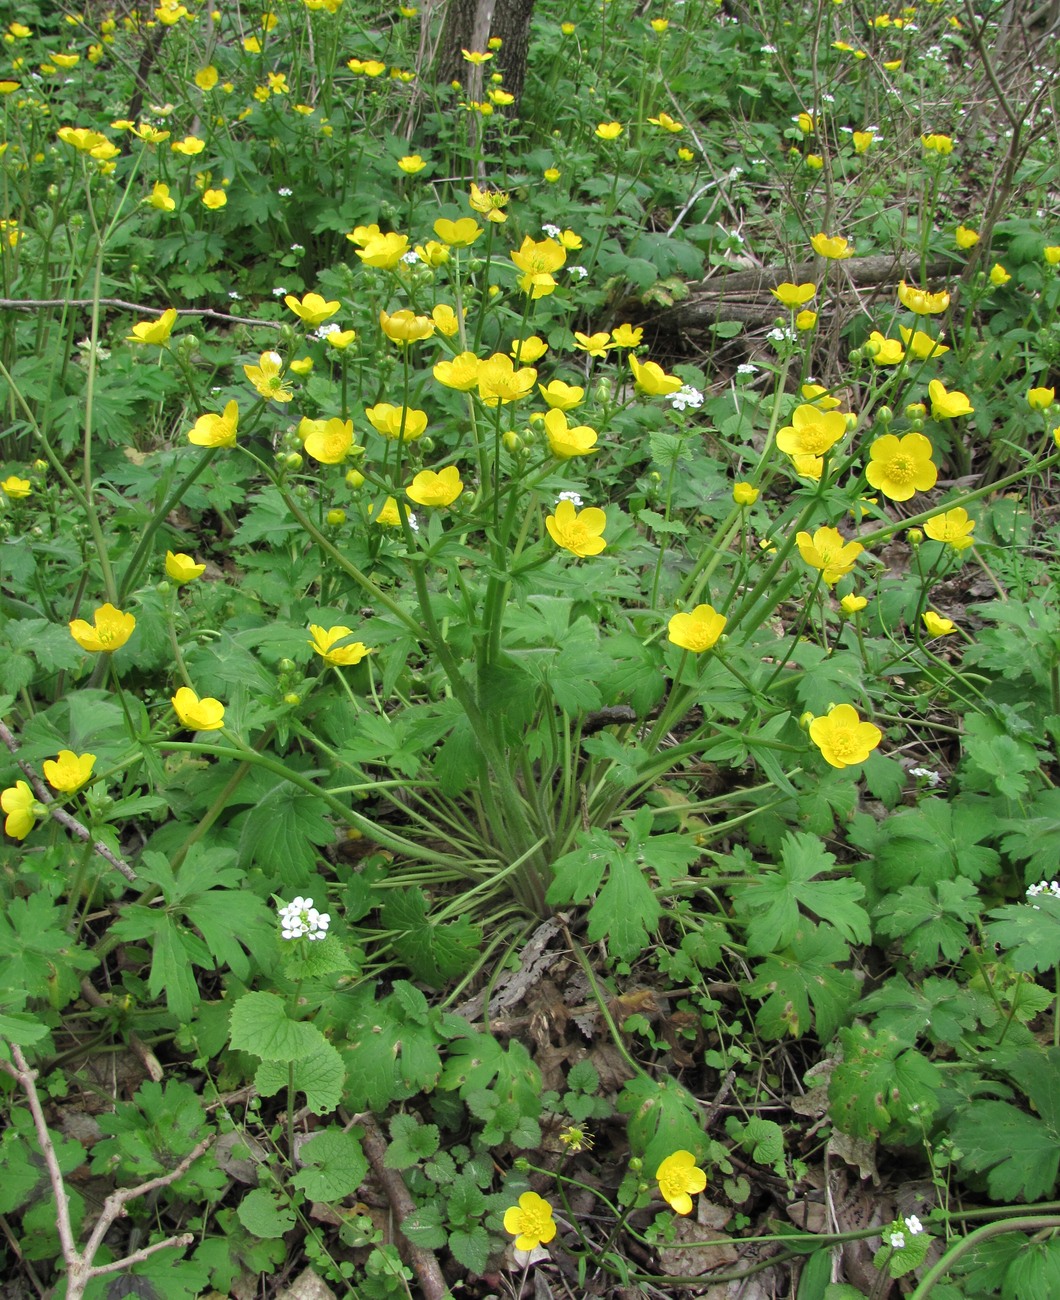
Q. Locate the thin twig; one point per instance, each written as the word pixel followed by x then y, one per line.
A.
pixel 423 1261
pixel 60 814
pixel 31 304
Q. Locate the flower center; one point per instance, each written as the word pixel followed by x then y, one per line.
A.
pixel 814 440
pixel 901 469
pixel 844 742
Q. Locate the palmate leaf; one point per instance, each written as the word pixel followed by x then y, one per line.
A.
pixel 802 976
pixel 881 1083
pixel 775 901
pixel 1030 932
pixel 932 923
pixel 1019 1153
pixel 940 1009
pixel 435 953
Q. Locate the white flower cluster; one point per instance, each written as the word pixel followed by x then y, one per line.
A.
pixel 1043 887
pixel 579 272
pixel 685 397
pixel 411 257
pixel 781 335
pixel 551 231
pixel 329 327
pixel 933 778
pixel 572 497
pixel 299 919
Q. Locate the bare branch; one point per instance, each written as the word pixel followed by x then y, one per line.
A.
pixel 34 304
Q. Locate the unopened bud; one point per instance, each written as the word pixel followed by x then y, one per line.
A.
pixel 915 536
pixel 292 461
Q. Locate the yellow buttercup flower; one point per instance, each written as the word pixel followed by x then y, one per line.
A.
pixel 936 625
pixel 940 144
pixel 429 488
pixel 609 130
pixel 965 237
pixel 384 251
pixel 397 421
pixel 15 488
pixel 214 199
pixel 333 645
pixel 217 430
pixel 812 431
pixel 793 295
pixel 920 301
pixel 900 466
pixel 744 494
pixel 206 714
pixel 461 373
pixel 433 253
pixel 921 345
pixel 189 146
pixel 411 164
pixel 952 527
pixel 819 396
pixel 679 1177
pixel 458 234
pixel 829 551
pixel 843 739
pixel 445 320
pixel 529 350
pixel 312 309
pixel 537 259
pixel 863 140
pixel 651 379
pixel 853 604
pixel 595 344
pixel 560 396
pixel 500 382
pixel 159 198
pixel 698 630
pixel 154 331
pixel 206 78
pixel 21 808
pixel 884 351
pixel 490 203
pixel 833 247
pixel 181 568
pixel 998 275
pixel 329 441
pixel 267 378
pixel 947 405
pixel 69 771
pixel 666 123
pixel 404 327
pixel 805 320
pixel 580 532
pixel 340 339
pixel 1040 399
pixel 1052 254
pixel 627 336
pixel 530 1222
pixel 564 441
pixel 109 630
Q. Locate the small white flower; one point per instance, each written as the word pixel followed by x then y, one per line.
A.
pixel 781 335
pixel 686 396
pixel 572 497
pixel 897 1240
pixel 745 368
pixel 579 271
pixel 769 49
pixel 285 192
pixel 411 257
pixel 828 99
pixel 236 297
pixel 298 248
pixel 300 919
pixel 1043 887
pixel 913 1225
pixel 413 523
pixel 550 230
pixel 329 327
pixel 933 778
pixel 279 291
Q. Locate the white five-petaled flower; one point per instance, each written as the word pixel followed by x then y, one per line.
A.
pixel 299 919
pixel 897 1240
pixel 572 497
pixel 913 1225
pixel 1043 887
pixel 686 396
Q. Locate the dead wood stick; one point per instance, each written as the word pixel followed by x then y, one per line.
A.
pixel 423 1261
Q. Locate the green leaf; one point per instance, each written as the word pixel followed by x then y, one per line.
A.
pixel 932 923
pixel 434 952
pixel 880 1084
pixel 334 1164
pixel 899 1260
pixel 1034 837
pixel 941 1009
pixel 802 975
pixel 319 1073
pixel 261 1026
pixel 1019 1153
pixel 266 1214
pixel 997 757
pixel 471 1248
pixel 286 826
pixel 392 1049
pixel 1030 932
pixel 773 901
pixel 425 1226
pixel 410 1142
pixel 663 1118
pixel 939 839
pixel 762 1139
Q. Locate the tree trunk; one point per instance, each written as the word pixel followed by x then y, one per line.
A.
pixel 469 25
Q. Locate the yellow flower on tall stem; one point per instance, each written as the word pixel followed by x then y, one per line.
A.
pixel 900 466
pixel 832 247
pixel 947 405
pixel 430 488
pixel 500 382
pixel 530 1222
pixel 206 714
pixel 334 646
pixel 154 331
pixel 793 295
pixel 697 630
pixel 212 430
pixel 921 301
pixel 181 568
pixel 936 625
pixel 565 441
pixel 401 422
pixel 953 528
pixel 330 441
pixel 651 379
pixel 404 327
pixel 267 378
pixel 829 551
pixel 21 808
pixel 69 771
pixel 843 739
pixel 109 630
pixel 560 396
pixel 679 1179
pixel 812 431
pixel 312 309
pixel 580 532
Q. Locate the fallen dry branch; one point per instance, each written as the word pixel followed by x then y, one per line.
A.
pixel 745 295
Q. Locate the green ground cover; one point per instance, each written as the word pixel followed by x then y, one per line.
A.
pixel 529 652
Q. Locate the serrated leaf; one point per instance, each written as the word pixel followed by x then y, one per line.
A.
pixel 471 1248
pixel 260 1025
pixel 392 1049
pixel 284 827
pixel 1019 1153
pixel 266 1214
pixel 880 1083
pixel 941 1009
pixel 435 953
pixel 1029 932
pixel 804 975
pixel 932 923
pixel 333 1165
pixel 425 1226
pixel 774 900
pixel 410 1142
pixel 319 1073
